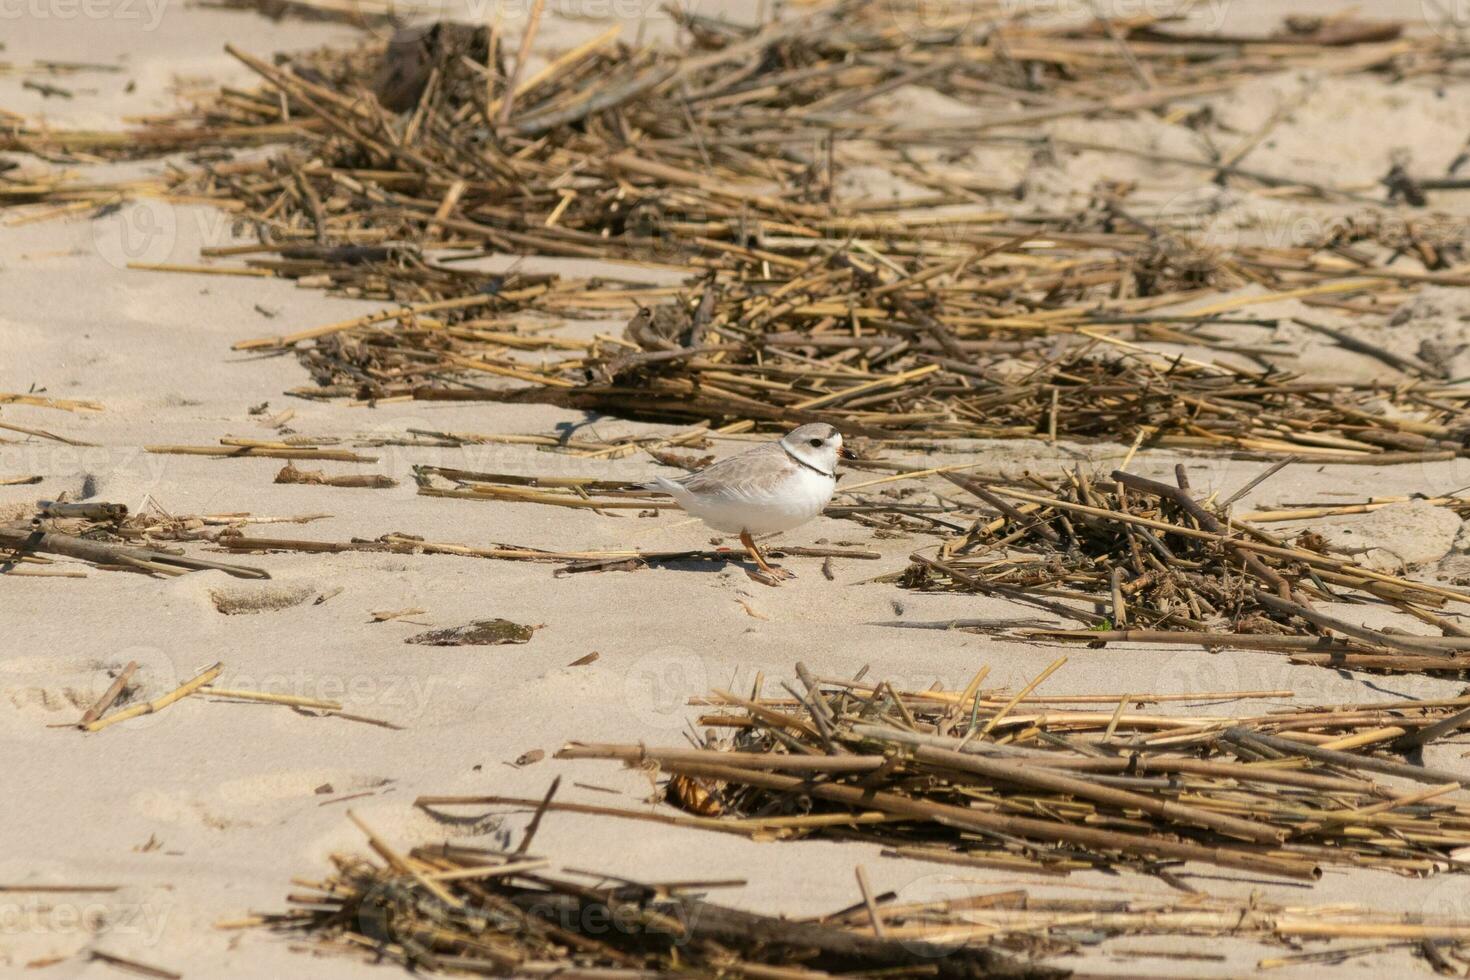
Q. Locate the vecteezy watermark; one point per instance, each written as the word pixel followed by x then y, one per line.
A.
pixel 657 686
pixel 381 916
pixel 148 12
pixel 1218 220
pixel 933 891
pixel 1447 900
pixel 146 230
pixel 1208 15
pixel 1450 19
pixel 44 914
pixel 401 698
pixel 920 19
pixel 142 472
pixel 1233 671
pixel 406 21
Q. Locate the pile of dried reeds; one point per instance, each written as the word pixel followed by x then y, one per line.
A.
pixel 719 162
pixel 107 536
pixel 501 913
pixel 1017 919
pixel 454 908
pixel 1172 569
pixel 1014 781
pixel 883 317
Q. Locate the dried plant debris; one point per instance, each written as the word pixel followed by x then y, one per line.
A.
pixel 480 633
pixel 365 481
pixel 468 910
pixel 1140 560
pixel 1027 782
pixel 106 536
pixel 460 909
pixel 719 165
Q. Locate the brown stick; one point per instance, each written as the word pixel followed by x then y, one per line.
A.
pixel 1425 735
pixel 527 37
pixel 105 553
pixel 1028 775
pixel 1352 760
pixel 108 696
pixel 158 704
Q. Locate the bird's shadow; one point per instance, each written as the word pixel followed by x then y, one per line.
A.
pixel 707 565
pixel 702 565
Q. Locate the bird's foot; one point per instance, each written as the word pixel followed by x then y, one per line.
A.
pixel 772 575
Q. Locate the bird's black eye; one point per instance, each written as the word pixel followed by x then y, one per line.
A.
pixel 816 442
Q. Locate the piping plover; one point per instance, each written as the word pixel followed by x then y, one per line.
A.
pixel 774 487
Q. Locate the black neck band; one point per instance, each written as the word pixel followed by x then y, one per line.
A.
pixel 801 462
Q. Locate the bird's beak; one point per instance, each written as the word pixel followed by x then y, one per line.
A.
pixel 846 453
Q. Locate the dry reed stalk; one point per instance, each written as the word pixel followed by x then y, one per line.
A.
pixel 159 703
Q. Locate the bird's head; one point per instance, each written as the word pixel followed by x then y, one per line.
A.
pixel 817 444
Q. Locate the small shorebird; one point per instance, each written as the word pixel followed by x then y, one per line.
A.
pixel 774 487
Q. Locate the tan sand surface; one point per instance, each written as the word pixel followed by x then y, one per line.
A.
pixel 205 811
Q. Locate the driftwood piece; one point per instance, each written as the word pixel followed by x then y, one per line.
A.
pixel 106 553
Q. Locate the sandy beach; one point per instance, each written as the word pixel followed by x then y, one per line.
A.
pixel 204 812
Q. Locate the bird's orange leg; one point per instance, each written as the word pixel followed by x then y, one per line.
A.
pixel 771 570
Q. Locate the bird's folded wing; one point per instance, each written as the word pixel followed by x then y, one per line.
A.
pixel 752 475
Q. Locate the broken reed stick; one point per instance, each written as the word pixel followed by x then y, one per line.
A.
pixel 106 553
pixel 518 495
pixel 741 827
pixel 159 703
pixel 42 434
pixel 1422 737
pixel 489 871
pixel 1035 776
pixel 112 693
pixel 249 452
pixel 1291 747
pixel 1143 765
pixel 87 510
pixel 133 966
pixel 41 401
pixel 266 697
pixel 40 572
pixel 366 481
pixel 866 890
pixel 400 312
pixel 1339 510
pixel 512 87
pixel 1031 685
pixel 1244 641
